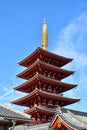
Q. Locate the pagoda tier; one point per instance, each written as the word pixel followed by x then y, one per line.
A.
pixel 45 84
pixel 43 110
pixel 44 69
pixel 40 114
pixel 46 99
pixel 45 56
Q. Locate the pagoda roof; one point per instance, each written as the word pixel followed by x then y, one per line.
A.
pixel 26 100
pixel 40 79
pixel 41 52
pixel 42 110
pixel 39 65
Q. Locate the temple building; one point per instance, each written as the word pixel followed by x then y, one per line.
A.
pixel 44 85
pixel 10 118
pixel 67 119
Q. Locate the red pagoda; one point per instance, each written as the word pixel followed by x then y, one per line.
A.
pixel 44 87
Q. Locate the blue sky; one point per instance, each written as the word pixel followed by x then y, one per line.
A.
pixel 20 34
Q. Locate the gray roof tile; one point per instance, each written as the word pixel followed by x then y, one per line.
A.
pixel 75 119
pixel 8 112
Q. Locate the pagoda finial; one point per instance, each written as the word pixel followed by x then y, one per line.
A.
pixel 44 36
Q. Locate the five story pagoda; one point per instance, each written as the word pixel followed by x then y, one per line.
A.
pixel 44 88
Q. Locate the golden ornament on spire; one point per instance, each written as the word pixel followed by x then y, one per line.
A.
pixel 44 35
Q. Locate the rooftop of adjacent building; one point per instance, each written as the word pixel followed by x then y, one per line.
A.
pixel 74 119
pixel 8 115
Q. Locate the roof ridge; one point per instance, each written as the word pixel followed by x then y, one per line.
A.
pixel 73 110
pixel 68 111
pixel 57 95
pixel 14 110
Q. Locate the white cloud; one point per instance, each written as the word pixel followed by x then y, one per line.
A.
pixel 6 94
pixel 72 42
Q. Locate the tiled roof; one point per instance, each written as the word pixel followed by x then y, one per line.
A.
pixel 27 99
pixel 44 126
pixel 79 113
pixel 9 113
pixel 74 119
pixel 25 62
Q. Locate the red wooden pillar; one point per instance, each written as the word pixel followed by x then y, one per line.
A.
pixel 6 127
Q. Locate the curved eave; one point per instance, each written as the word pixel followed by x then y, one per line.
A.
pixel 39 50
pixel 44 80
pixel 22 101
pixel 70 119
pixel 25 61
pixel 41 110
pixel 43 66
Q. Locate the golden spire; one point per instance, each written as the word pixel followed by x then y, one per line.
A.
pixel 44 35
